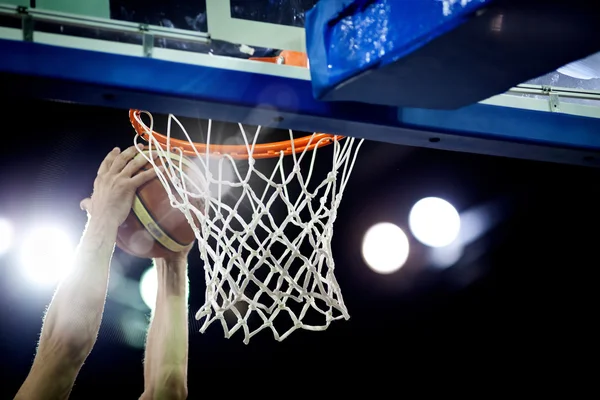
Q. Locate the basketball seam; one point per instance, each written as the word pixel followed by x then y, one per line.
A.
pixel 142 225
pixel 156 222
pixel 177 245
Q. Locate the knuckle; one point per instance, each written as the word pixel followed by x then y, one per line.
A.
pixel 128 153
pixel 135 165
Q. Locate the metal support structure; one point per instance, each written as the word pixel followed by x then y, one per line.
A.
pixel 554 102
pixel 149 33
pixel 147 40
pixel 237 90
pixel 27 24
pixel 543 90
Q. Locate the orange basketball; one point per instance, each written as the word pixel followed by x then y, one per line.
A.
pixel 154 229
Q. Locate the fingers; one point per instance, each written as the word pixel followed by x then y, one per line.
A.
pixel 108 160
pixel 143 177
pixel 136 164
pixel 126 164
pixel 121 161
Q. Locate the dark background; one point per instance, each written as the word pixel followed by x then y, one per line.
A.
pixel 522 296
pixel 192 14
pixel 517 290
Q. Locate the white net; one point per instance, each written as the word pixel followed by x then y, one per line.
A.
pixel 264 230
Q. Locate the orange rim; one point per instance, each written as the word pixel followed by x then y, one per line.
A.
pixel 240 152
pixel 286 57
pixel 263 150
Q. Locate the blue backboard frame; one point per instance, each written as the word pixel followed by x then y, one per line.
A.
pixel 126 76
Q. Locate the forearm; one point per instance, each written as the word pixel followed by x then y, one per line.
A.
pixel 74 315
pixel 73 319
pixel 165 367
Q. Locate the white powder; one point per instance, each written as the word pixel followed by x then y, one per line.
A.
pixel 447 5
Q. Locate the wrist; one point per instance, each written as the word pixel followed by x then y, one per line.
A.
pixel 172 277
pixel 103 222
pixel 176 261
pixel 102 229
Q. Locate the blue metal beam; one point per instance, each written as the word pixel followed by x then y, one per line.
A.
pixel 102 79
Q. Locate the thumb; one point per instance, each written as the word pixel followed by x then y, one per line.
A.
pixel 86 204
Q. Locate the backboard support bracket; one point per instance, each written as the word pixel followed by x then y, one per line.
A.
pixel 147 41
pixel 27 24
pixel 554 101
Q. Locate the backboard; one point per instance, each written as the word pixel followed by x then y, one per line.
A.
pixel 191 58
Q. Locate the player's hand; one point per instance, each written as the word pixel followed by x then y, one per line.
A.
pixel 116 184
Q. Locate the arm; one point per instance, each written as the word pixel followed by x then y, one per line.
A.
pixel 165 364
pixel 70 327
pixel 73 318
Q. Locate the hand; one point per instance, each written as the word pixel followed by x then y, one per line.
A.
pixel 115 185
pixel 172 273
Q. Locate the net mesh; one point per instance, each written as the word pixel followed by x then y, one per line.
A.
pixel 264 229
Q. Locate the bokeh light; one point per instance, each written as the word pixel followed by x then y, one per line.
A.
pixel 434 222
pixel 6 235
pixel 149 287
pixel 385 248
pixel 47 255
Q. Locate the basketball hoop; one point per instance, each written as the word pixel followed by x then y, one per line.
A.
pixel 264 231
pixel 238 152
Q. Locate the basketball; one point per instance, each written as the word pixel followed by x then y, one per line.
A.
pixel 153 228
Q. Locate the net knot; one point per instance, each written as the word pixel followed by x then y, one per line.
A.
pixel 329 316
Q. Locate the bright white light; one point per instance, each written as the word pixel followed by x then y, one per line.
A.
pixel 444 257
pixel 223 170
pixel 47 255
pixel 434 222
pixel 385 248
pixel 148 287
pixel 6 235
